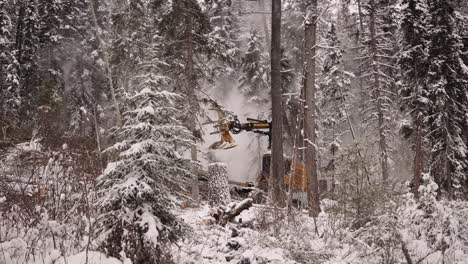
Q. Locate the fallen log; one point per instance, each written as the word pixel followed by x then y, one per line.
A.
pixel 223 215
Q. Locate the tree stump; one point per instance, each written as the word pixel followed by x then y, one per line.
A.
pixel 218 185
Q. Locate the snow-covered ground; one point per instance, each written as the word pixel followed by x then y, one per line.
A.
pixel 91 257
pixel 212 244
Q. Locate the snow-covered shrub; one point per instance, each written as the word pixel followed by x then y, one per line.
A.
pixel 358 197
pixel 422 231
pixel 138 188
pixel 434 230
pixel 43 203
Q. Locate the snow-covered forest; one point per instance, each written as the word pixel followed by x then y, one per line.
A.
pixel 233 131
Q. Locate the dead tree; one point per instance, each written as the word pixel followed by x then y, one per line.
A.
pixel 218 185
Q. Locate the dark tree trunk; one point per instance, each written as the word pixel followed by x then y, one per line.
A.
pixel 277 168
pixel 418 158
pixel 190 84
pixel 309 111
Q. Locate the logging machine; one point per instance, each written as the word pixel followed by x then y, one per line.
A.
pixel 228 123
pixel 234 126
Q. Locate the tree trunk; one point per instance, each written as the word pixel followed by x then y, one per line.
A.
pixel 418 158
pixel 190 85
pixel 224 215
pixel 363 93
pixel 309 109
pixel 377 94
pixel 218 185
pixel 292 177
pixel 277 168
pixel 105 56
pixel 261 5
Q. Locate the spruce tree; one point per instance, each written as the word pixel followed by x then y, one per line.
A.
pixel 255 78
pixel 223 39
pixel 447 110
pixel 377 74
pixel 414 65
pixel 27 42
pixel 334 92
pixel 9 83
pixel 140 186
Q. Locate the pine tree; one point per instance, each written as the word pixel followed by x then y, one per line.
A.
pixel 131 28
pixel 223 39
pixel 413 62
pixel 255 78
pixel 446 115
pixel 50 21
pixel 377 67
pixel 334 90
pixel 138 189
pixel 80 104
pixel 9 84
pixel 293 33
pixel 27 43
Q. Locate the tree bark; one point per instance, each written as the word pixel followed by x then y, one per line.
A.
pixel 218 185
pixel 190 84
pixel 309 109
pixel 277 168
pixel 292 177
pixel 418 158
pixel 223 215
pixel 377 94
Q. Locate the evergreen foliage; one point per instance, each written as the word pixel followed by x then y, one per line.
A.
pixel 255 78
pixel 9 83
pixel 334 95
pixel 446 116
pixel 413 59
pixel 138 187
pixel 377 72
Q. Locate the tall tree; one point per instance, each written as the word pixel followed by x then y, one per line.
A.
pixel 310 125
pixel 9 83
pixel 335 91
pixel 103 43
pixel 277 168
pixel 377 63
pixel 27 44
pixel 414 65
pixel 223 38
pixel 255 78
pixel 185 27
pixel 446 117
pixel 192 48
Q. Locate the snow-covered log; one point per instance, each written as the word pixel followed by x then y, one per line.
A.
pixel 225 214
pixel 218 185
